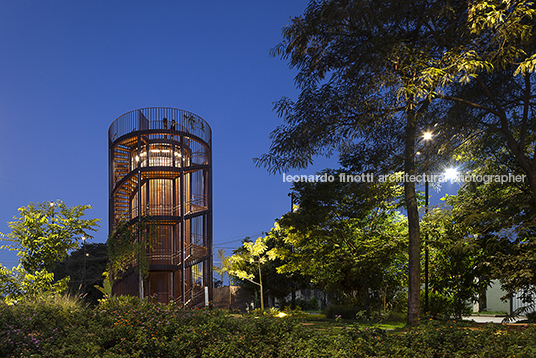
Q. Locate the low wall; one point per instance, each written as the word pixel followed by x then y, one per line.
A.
pixel 232 298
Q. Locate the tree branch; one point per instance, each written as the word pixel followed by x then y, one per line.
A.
pixel 525 117
pixel 468 103
pixel 492 98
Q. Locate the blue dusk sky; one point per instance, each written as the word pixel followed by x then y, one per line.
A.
pixel 68 69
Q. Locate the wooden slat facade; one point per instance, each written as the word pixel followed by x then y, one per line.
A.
pixel 160 166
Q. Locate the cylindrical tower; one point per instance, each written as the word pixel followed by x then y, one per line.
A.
pixel 160 167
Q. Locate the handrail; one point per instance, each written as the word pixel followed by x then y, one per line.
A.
pixel 152 118
pixel 198 203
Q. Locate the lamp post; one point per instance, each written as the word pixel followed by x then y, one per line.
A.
pixel 293 292
pixel 52 209
pixel 427 136
pixel 84 244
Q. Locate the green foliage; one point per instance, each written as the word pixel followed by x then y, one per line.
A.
pixel 458 264
pixel 96 262
pixel 43 234
pixel 348 239
pixel 313 304
pixel 65 302
pixel 128 245
pixel 346 312
pixel 17 283
pixel 275 284
pixel 112 302
pixel 106 289
pixel 372 75
pixel 498 218
pixel 443 306
pixel 255 254
pixel 47 328
pixel 224 266
pixel 492 114
pixel 363 75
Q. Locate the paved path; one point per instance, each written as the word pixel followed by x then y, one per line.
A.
pixel 489 319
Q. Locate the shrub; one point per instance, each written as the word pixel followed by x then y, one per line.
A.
pixel 66 302
pixel 444 307
pixel 346 312
pixel 440 306
pixel 531 316
pixel 313 304
pixel 396 316
pixel 117 302
pixel 301 303
pixel 42 328
pixel 39 325
pixel 400 302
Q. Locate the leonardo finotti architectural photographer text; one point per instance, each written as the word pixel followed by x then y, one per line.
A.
pixel 402 178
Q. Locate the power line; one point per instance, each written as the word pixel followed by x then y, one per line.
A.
pixel 239 238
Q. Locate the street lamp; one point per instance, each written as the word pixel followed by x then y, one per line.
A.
pixel 52 208
pixel 293 286
pixel 451 174
pixel 427 136
pixel 291 195
pixel 84 243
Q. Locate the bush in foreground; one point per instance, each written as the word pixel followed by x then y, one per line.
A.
pixel 143 329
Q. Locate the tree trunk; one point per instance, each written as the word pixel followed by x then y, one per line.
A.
pixel 528 168
pixel 482 298
pixel 260 284
pixel 384 300
pixel 414 265
pixel 525 163
pixel 366 297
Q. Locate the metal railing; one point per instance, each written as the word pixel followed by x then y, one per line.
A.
pixel 196 204
pixel 153 119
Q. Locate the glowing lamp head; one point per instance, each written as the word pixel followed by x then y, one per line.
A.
pixel 427 135
pixel 451 174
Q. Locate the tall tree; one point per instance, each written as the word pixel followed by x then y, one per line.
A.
pixel 364 89
pixel 369 70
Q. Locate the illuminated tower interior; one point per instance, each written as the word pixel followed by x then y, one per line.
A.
pixel 160 168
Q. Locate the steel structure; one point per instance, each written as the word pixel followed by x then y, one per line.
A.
pixel 160 167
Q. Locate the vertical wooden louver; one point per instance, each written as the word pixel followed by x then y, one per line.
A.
pixel 160 166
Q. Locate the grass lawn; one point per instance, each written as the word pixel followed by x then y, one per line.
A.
pixel 319 321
